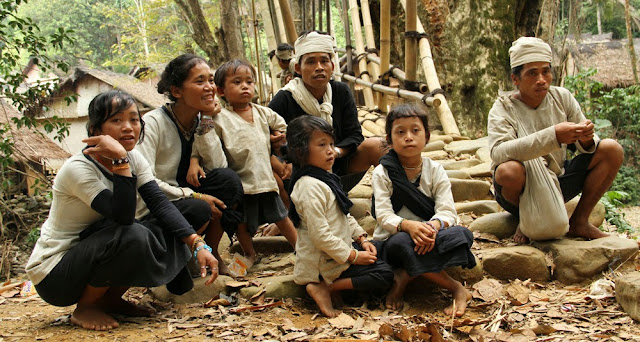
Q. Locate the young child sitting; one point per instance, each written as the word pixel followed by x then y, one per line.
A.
pixel 244 129
pixel 332 253
pixel 415 211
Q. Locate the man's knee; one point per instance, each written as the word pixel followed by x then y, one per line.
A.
pixel 510 175
pixel 611 152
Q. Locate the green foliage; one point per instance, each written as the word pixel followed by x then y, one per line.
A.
pixel 612 201
pixel 612 17
pixel 21 37
pixel 616 114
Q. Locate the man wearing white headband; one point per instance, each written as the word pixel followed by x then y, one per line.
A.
pixel 540 120
pixel 316 94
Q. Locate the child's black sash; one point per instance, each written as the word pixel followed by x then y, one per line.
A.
pixel 332 180
pixel 404 193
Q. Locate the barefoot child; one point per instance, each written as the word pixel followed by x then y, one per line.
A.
pixel 332 253
pixel 91 250
pixel 415 211
pixel 244 129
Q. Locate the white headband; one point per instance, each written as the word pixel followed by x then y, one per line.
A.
pixel 529 49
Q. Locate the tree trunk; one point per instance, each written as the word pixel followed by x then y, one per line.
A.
pixel 230 30
pixel 598 19
pixel 200 30
pixel 547 20
pixel 632 50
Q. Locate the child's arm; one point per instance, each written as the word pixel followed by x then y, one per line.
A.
pixel 441 191
pixel 195 172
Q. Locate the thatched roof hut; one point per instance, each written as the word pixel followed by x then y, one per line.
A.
pixel 611 59
pixel 33 153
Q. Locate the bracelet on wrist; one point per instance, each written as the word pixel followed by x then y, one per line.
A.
pixel 441 223
pixel 399 226
pixel 195 242
pixel 355 258
pixel 120 167
pixel 431 225
pixel 205 246
pixel 120 161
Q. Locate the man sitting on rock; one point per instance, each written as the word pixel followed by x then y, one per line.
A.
pixel 555 119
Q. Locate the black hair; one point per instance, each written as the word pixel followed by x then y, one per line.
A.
pixel 271 54
pixel 406 110
pixel 299 133
pixel 284 47
pixel 108 104
pixel 518 70
pixel 233 65
pixel 176 72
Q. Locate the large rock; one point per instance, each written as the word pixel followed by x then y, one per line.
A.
pixel 577 261
pixel 266 245
pixel 466 146
pixel 460 164
pixel 368 223
pixel 469 189
pixel 274 262
pixel 480 170
pixel 597 215
pixel 484 154
pixel 361 207
pixel 628 294
pixel 466 275
pixel 458 174
pixel 276 287
pixel 437 137
pixel 501 224
pixel 478 207
pixel 436 155
pixel 361 191
pixel 434 146
pixel 373 128
pixel 519 262
pixel 198 294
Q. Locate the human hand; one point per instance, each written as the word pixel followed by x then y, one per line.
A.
pixel 277 166
pixel 215 204
pixel 420 232
pixel 206 259
pixel 216 109
pixel 569 132
pixel 288 170
pixel 194 174
pixel 369 247
pixel 278 139
pixel 104 146
pixel 587 132
pixel 428 247
pixel 365 258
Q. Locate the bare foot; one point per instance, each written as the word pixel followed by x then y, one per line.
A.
pixel 321 294
pixel 93 318
pixel 520 238
pixel 271 230
pixel 461 296
pixel 585 230
pixel 394 298
pixel 126 308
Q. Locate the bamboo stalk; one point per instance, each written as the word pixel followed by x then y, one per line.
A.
pixel 275 27
pixel 320 3
pixel 444 112
pixel 287 17
pixel 272 43
pixel 385 46
pixel 410 43
pixel 397 73
pixel 429 101
pixel 362 63
pixel 329 21
pixel 374 69
pixel 347 37
pixel 277 17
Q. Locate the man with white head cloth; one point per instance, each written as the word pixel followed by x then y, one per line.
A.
pixel 316 94
pixel 553 122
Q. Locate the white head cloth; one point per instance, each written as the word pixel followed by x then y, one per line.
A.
pixel 284 54
pixel 529 49
pixel 309 43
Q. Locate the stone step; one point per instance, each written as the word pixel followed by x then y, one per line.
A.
pixel 502 225
pixel 469 189
pixel 459 147
pixel 628 294
pixel 518 262
pixel 478 207
pixel 266 245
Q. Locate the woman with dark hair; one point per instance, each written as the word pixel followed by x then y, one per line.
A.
pixel 188 82
pixel 91 249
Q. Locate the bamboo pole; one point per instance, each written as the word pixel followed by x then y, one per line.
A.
pixel 401 93
pixel 374 69
pixel 273 20
pixel 328 15
pixel 444 112
pixel 277 12
pixel 632 50
pixel 397 73
pixel 272 42
pixel 347 37
pixel 362 63
pixel 320 3
pixel 290 27
pixel 313 14
pixel 410 43
pixel 254 22
pixel 385 46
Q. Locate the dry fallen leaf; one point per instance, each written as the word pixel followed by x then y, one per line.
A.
pixel 258 298
pixel 214 302
pixel 519 293
pixel 488 290
pixel 237 284
pixel 342 321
